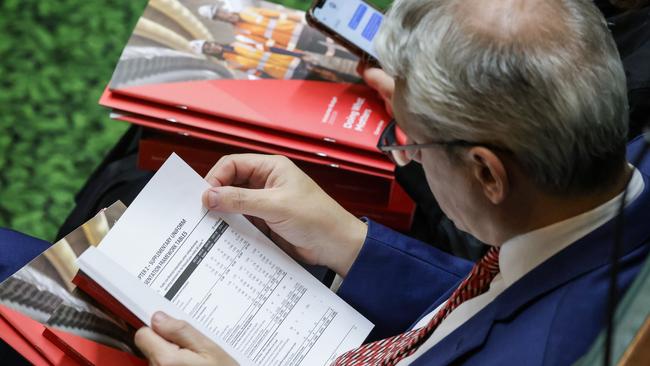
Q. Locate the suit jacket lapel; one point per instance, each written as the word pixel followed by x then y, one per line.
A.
pixel 469 336
pixel 583 256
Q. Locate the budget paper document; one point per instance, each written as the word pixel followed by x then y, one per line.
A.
pixel 242 290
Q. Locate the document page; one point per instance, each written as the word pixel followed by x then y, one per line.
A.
pixel 229 277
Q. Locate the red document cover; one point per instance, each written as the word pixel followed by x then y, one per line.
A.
pixel 397 214
pixel 252 146
pixel 32 332
pixel 380 199
pixel 254 75
pixel 88 352
pixel 167 115
pixel 254 62
pixel 16 341
pixel 155 148
pixel 104 298
pixel 41 345
pixel 346 114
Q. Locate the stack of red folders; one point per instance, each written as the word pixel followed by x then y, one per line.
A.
pixel 254 77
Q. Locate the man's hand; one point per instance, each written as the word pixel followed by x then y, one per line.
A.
pixel 289 207
pixel 174 342
pixel 380 81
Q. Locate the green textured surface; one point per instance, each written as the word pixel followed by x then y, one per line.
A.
pixel 55 59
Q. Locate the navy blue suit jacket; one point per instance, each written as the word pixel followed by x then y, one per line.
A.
pixel 549 317
pixel 16 250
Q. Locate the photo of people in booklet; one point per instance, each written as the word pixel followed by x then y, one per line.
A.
pixel 186 40
pixel 43 289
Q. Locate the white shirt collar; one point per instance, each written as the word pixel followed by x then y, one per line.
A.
pixel 521 254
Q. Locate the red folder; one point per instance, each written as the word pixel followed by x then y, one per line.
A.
pixel 32 332
pixel 207 123
pixel 106 300
pixel 348 114
pixel 41 345
pixel 16 341
pixel 254 146
pixel 88 352
pixel 155 148
pixel 380 199
pixel 398 214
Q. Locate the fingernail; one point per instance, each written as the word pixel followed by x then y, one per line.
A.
pixel 159 317
pixel 213 200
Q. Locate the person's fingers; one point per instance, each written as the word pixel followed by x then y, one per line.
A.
pixel 228 170
pixel 254 202
pixel 250 169
pixel 151 344
pixel 380 81
pixel 180 333
pixel 383 84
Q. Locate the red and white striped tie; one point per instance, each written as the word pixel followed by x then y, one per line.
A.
pixel 390 351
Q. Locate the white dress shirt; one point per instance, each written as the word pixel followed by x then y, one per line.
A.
pixel 521 255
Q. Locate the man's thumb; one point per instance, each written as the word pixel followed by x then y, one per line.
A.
pixel 253 202
pixel 178 332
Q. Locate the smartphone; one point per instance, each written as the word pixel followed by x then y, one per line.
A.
pixel 352 23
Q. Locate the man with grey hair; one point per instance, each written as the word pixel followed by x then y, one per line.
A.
pixel 625 20
pixel 516 110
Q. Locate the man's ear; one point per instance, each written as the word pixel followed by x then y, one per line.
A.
pixel 490 173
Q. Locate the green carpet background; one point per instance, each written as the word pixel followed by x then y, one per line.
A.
pixel 55 59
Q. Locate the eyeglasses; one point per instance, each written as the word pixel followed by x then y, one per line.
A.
pixel 392 142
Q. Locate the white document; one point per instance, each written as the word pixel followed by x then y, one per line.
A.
pixel 226 277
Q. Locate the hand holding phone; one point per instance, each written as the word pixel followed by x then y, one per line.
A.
pixel 378 80
pixel 352 23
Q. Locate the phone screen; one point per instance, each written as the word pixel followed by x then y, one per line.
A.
pixel 354 20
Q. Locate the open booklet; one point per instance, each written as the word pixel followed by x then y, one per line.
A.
pixel 219 273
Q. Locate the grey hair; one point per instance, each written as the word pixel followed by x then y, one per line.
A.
pixel 556 97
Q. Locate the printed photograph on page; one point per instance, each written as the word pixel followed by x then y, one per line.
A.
pixel 187 40
pixel 43 289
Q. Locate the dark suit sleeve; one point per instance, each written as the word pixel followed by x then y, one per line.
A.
pixel 16 250
pixel 396 278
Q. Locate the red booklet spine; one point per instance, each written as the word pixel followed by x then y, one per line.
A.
pixel 344 114
pixel 105 299
pixel 166 115
pixel 88 352
pixel 254 146
pixel 380 199
pixel 201 156
pixel 71 352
